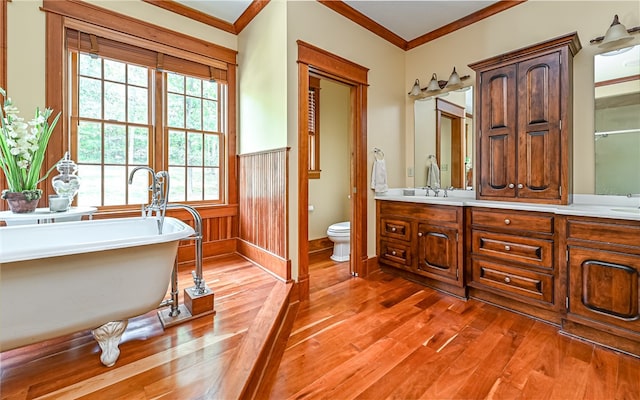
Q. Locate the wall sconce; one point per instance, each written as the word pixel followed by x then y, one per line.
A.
pixel 438 87
pixel 616 34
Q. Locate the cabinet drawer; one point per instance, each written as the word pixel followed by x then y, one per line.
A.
pixel 516 220
pixel 395 228
pixel 395 253
pixel 518 281
pixel 622 232
pixel 537 252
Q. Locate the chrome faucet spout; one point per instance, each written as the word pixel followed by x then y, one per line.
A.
pixel 159 194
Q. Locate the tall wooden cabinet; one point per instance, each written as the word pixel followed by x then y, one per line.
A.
pixel 523 137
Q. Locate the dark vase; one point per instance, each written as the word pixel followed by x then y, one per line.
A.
pixel 19 204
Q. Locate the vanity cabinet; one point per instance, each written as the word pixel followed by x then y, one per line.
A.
pixel 422 242
pixel 523 136
pixel 603 297
pixel 512 261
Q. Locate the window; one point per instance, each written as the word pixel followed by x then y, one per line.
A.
pixel 314 127
pixel 132 107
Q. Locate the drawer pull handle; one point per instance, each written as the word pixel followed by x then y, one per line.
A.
pixel 507 248
pixel 393 229
pixel 520 185
pixel 507 221
pixel 507 279
pixel 511 186
pixel 393 253
pixel 419 233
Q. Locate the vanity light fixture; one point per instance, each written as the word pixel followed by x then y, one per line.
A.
pixel 439 88
pixel 615 35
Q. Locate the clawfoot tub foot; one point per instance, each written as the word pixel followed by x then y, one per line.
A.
pixel 108 337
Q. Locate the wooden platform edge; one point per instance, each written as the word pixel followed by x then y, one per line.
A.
pixel 258 352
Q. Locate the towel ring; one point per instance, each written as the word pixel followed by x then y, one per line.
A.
pixel 379 154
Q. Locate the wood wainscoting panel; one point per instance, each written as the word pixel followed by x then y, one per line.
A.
pixel 263 202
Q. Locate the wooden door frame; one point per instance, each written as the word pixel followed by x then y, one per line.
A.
pixel 311 58
pixel 456 113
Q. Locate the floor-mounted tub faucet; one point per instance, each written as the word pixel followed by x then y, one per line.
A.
pixel 159 194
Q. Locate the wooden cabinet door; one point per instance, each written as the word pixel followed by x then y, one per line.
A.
pixel 603 286
pixel 539 142
pixel 497 139
pixel 438 253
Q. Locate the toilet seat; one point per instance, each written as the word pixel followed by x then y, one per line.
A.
pixel 340 229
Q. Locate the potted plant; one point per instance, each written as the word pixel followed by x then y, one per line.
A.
pixel 22 148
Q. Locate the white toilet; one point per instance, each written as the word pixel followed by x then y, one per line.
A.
pixel 340 235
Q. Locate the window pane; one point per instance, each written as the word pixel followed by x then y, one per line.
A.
pixel 115 182
pixel 177 189
pixel 90 66
pixel 90 185
pixel 177 148
pixel 194 184
pixel 138 146
pixel 175 83
pixel 211 151
pixel 138 76
pixel 89 143
pixel 194 87
pixel 90 100
pixel 175 110
pixel 210 116
pixel 211 182
pixel 138 105
pixel 194 113
pixel 114 71
pixel 195 149
pixel 114 98
pixel 210 90
pixel 115 144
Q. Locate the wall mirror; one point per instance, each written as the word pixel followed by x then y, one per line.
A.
pixel 444 129
pixel 617 121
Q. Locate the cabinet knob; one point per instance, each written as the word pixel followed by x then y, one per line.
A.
pixel 393 229
pixel 507 248
pixel 393 253
pixel 520 185
pixel 507 279
pixel 419 233
pixel 507 221
pixel 511 186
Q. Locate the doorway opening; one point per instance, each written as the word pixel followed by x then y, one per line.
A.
pixel 312 60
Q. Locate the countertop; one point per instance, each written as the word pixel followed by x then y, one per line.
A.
pixel 616 207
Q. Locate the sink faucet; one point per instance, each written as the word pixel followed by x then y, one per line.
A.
pixel 450 188
pixel 159 194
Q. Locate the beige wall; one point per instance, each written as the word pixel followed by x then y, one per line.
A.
pixel 329 194
pixel 262 78
pixel 528 23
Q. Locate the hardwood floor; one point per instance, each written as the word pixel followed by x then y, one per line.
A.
pixel 387 338
pixel 376 338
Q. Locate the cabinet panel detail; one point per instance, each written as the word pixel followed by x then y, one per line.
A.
pixel 537 252
pixel 610 288
pixel 518 281
pixel 499 96
pixel 603 286
pixel 438 251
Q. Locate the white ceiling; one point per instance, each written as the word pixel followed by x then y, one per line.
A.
pixel 407 19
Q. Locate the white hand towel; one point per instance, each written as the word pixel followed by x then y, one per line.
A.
pixel 379 177
pixel 433 179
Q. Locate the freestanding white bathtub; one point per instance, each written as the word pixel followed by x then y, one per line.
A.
pixel 61 278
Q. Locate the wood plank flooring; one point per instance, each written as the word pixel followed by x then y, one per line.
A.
pixel 386 338
pixel 375 338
